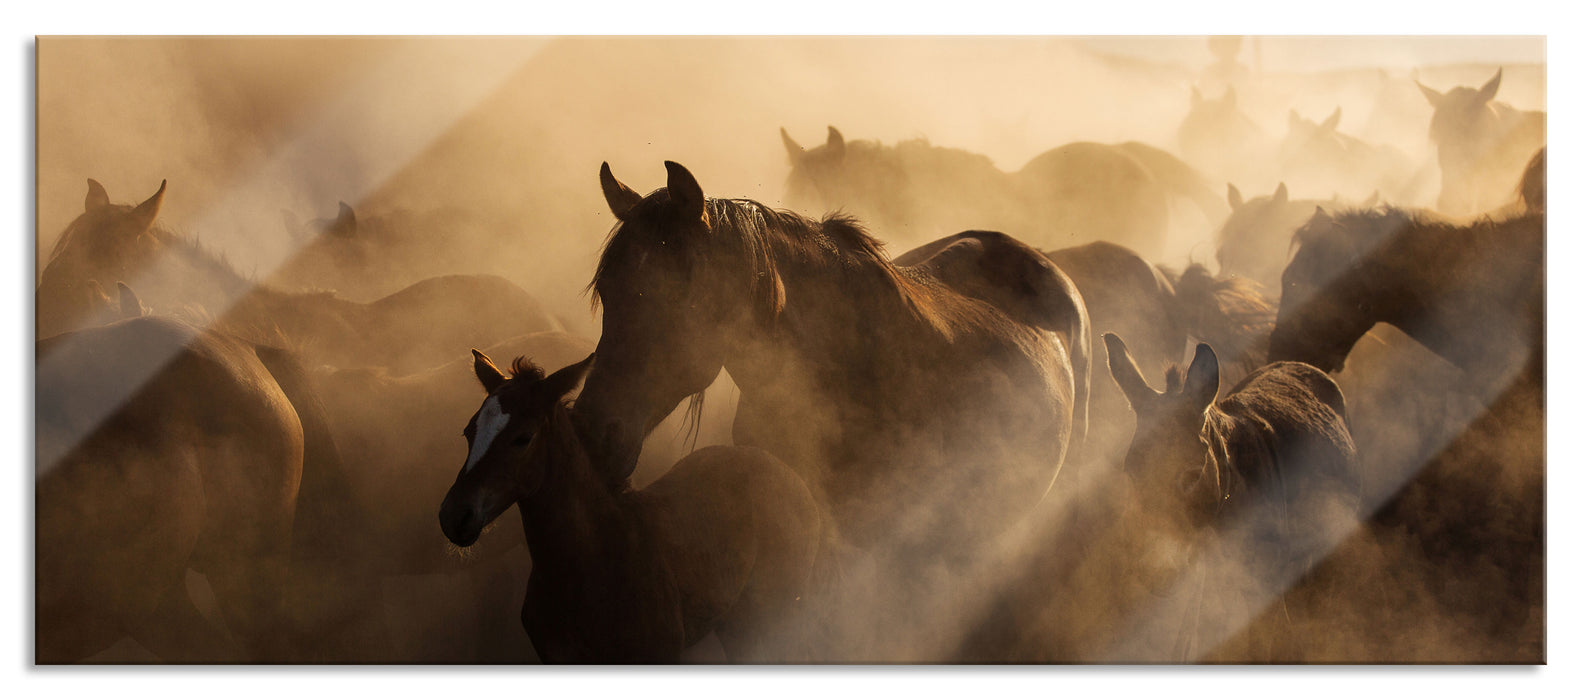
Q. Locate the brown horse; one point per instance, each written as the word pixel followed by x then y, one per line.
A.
pixel 724 543
pixel 416 328
pixel 1535 182
pixel 162 447
pixel 368 257
pixel 841 357
pixel 1318 157
pixel 1075 193
pixel 1473 293
pixel 1483 145
pixel 1270 466
pixel 1255 242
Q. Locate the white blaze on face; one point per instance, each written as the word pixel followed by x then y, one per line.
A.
pixel 491 422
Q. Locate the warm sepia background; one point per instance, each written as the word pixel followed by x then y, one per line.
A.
pixel 511 131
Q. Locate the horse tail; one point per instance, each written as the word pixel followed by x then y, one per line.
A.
pixel 331 597
pixel 1179 179
pixel 1232 315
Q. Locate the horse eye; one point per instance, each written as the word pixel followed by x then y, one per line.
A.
pixel 522 440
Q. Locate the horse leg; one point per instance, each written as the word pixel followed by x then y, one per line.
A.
pixel 498 588
pixel 177 632
pixel 250 581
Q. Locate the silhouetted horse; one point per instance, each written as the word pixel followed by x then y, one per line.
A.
pixel 1255 242
pixel 842 358
pixel 1317 157
pixel 1271 467
pixel 1483 145
pixel 1072 194
pixel 1535 182
pixel 1129 296
pixel 365 258
pixel 724 543
pixel 163 447
pixel 393 437
pixel 1473 294
pixel 413 329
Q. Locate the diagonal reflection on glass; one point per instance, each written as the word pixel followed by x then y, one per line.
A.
pixel 367 134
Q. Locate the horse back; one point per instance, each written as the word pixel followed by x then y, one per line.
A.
pixel 739 531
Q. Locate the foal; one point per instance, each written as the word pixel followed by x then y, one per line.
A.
pixel 724 543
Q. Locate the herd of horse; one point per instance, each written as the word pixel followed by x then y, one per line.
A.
pixel 929 460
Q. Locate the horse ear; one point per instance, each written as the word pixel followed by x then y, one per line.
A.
pixel 1433 96
pixel 146 212
pixel 96 198
pixel 1125 372
pixel 1294 119
pixel 1319 215
pixel 1332 121
pixel 565 379
pixel 1233 196
pixel 836 143
pixel 345 222
pixel 1372 200
pixel 686 195
pixel 490 376
pixel 131 306
pixel 794 150
pixel 619 197
pixel 1202 377
pixel 1488 90
pixel 1281 196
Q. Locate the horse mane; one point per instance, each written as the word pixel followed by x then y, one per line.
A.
pixel 768 238
pixel 523 367
pixel 1230 314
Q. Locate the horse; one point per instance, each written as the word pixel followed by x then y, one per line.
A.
pixel 821 332
pixel 163 447
pixel 1216 137
pixel 1535 182
pixel 1254 242
pixel 1270 468
pixel 1316 156
pixel 1450 568
pixel 1161 310
pixel 1075 193
pixel 1483 144
pixel 413 329
pixel 725 542
pixel 368 257
pixel 1473 294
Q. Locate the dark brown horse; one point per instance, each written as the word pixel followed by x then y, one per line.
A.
pixel 1076 193
pixel 1483 145
pixel 1271 467
pixel 1473 293
pixel 842 358
pixel 416 328
pixel 724 543
pixel 163 447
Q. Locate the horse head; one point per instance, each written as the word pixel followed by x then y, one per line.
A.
pixel 106 242
pixel 510 440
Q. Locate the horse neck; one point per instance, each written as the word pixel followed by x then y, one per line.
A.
pixel 835 310
pixel 184 273
pixel 575 522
